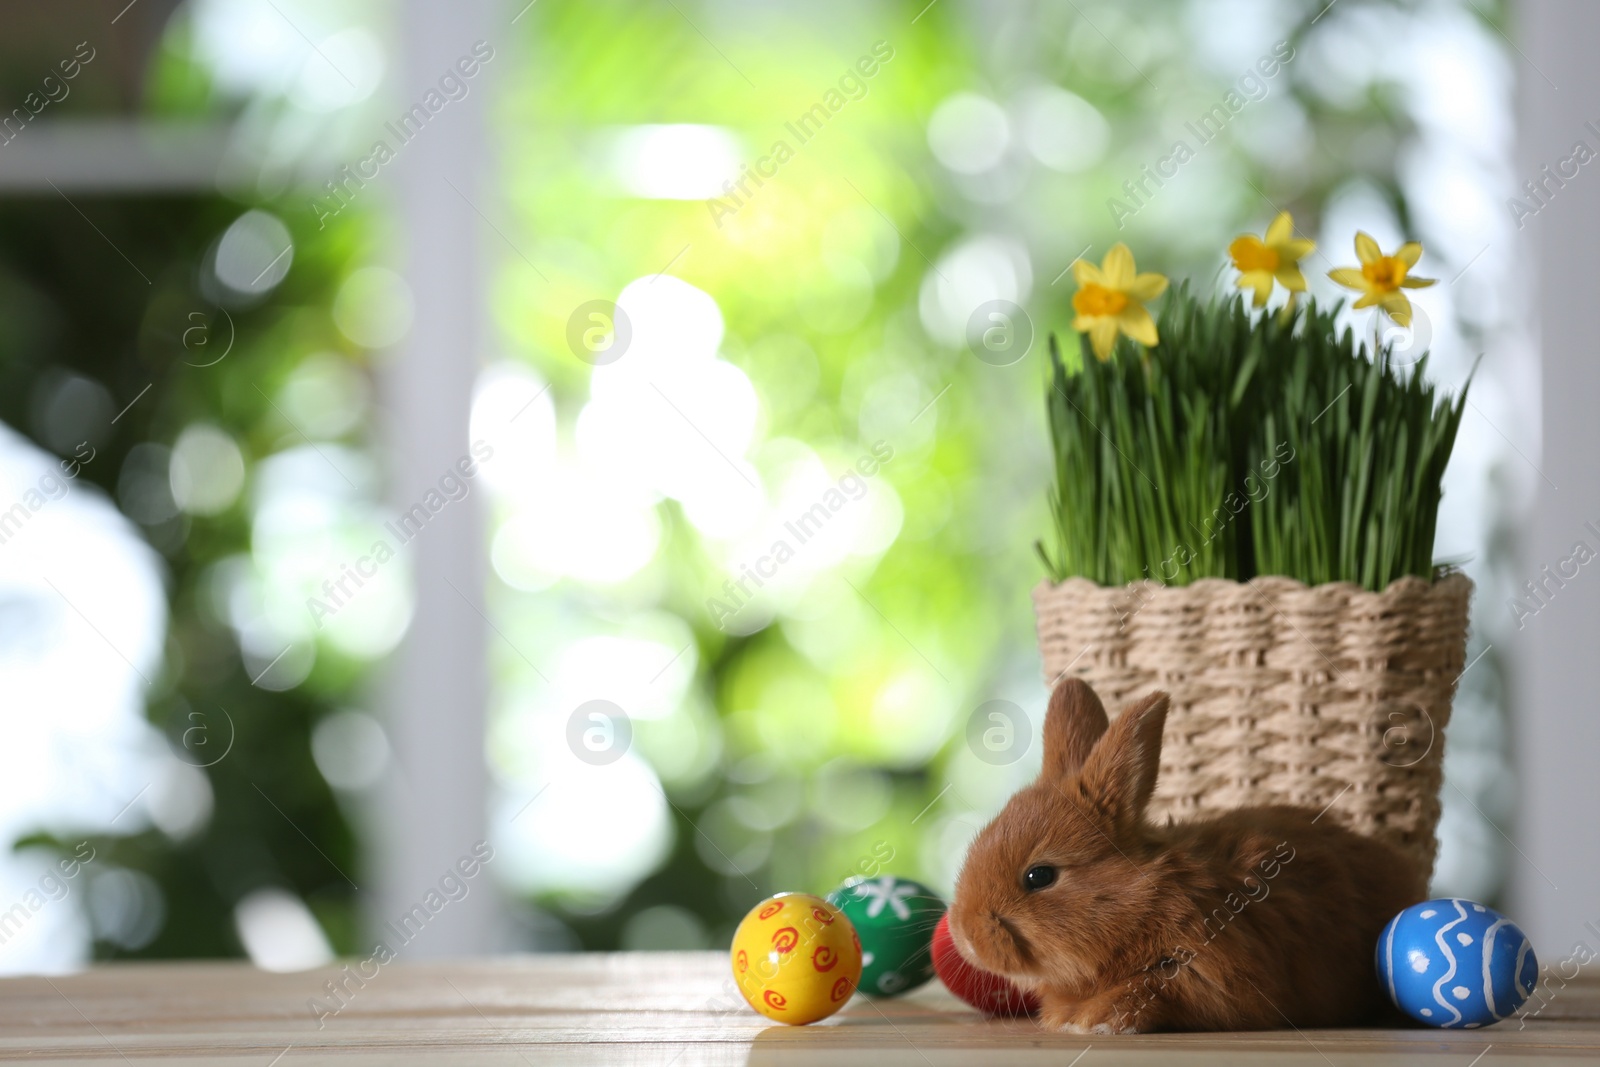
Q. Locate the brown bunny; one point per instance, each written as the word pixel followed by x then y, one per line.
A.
pixel 1261 918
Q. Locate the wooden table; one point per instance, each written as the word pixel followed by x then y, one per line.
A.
pixel 666 1008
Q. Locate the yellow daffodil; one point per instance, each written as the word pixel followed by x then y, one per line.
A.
pixel 1276 259
pixel 1381 277
pixel 1110 299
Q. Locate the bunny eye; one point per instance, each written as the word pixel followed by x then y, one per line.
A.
pixel 1039 877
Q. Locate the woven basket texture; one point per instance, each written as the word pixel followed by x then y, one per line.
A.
pixel 1330 697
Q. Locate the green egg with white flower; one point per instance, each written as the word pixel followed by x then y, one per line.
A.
pixel 895 918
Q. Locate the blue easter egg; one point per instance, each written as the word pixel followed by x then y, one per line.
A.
pixel 1455 964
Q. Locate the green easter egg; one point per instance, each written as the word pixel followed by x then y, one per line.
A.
pixel 894 918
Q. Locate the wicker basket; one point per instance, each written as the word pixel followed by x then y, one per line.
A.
pixel 1327 696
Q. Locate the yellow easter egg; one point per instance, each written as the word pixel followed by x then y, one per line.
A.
pixel 796 958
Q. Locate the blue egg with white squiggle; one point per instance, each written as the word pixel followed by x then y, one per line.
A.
pixel 1455 964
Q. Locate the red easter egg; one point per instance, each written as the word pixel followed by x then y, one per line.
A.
pixel 989 993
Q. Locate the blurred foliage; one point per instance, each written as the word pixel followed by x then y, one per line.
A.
pixel 74 306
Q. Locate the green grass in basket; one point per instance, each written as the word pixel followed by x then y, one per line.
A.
pixel 1245 444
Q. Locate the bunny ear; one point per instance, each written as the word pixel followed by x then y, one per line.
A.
pixel 1120 774
pixel 1073 724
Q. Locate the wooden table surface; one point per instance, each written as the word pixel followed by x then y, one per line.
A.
pixel 660 1008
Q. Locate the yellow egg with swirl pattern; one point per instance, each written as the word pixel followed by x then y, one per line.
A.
pixel 796 958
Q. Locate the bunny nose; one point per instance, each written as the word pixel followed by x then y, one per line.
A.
pixel 969 926
pixel 1003 947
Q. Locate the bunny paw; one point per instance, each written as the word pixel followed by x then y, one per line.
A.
pixel 1104 1016
pixel 1097 1016
pixel 1088 1029
pixel 1109 1028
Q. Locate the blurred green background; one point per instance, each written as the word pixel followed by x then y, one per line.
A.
pixel 783 735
